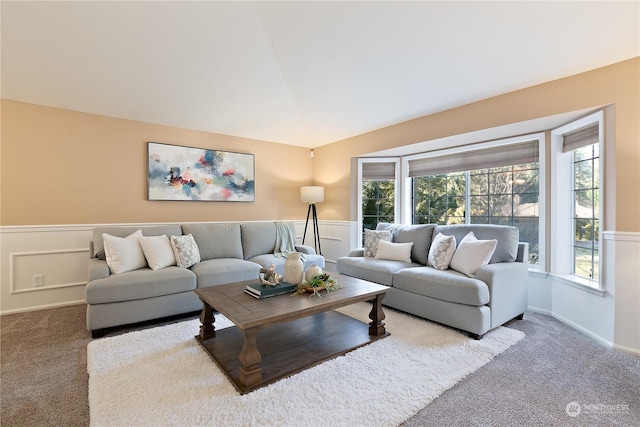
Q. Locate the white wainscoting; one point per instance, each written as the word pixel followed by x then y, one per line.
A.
pixel 58 253
pixel 611 316
pixel 335 239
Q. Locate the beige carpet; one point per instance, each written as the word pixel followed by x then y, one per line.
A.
pixel 44 380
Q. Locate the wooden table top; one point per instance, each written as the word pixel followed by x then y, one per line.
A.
pixel 247 312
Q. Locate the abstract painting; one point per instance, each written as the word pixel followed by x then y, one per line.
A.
pixel 187 173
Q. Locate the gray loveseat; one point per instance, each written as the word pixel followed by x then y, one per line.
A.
pixel 230 252
pixel 497 293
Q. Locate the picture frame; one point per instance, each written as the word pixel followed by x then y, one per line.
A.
pixel 177 172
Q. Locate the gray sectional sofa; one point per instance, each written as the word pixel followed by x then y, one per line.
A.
pixel 229 252
pixel 496 295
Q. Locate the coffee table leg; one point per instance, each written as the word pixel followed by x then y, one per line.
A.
pixel 376 326
pixel 207 319
pixel 250 359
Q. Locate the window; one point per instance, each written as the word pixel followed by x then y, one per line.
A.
pixel 439 199
pixel 576 195
pixel 586 212
pixel 508 195
pixel 377 193
pixel 491 183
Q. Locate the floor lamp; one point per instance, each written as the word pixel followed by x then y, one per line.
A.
pixel 312 194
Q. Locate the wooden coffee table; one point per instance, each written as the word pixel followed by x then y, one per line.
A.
pixel 292 333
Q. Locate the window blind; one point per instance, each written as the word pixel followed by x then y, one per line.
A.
pixel 375 171
pixel 579 138
pixel 506 155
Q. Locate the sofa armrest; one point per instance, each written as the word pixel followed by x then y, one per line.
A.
pixel 523 252
pixel 508 289
pixel 357 252
pixel 304 249
pixel 98 269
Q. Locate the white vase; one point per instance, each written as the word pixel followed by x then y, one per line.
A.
pixel 293 269
pixel 312 271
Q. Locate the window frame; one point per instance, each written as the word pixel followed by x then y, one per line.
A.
pixel 397 190
pixel 541 137
pixel 562 200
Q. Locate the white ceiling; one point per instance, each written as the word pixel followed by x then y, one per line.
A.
pixel 301 73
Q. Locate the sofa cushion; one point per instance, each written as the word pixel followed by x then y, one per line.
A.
pixel 216 240
pixel 471 254
pixel 371 269
pixel 441 252
pixel 158 251
pixel 258 238
pixel 185 250
pixel 419 234
pixel 446 285
pixel 97 246
pixel 124 253
pixel 507 237
pixel 225 270
pixel 394 251
pixel 371 238
pixel 140 284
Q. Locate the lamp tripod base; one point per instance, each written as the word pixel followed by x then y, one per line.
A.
pixel 316 232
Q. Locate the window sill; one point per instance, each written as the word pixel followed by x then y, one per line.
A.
pixel 535 272
pixel 579 283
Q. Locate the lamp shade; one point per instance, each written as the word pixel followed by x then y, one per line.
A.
pixel 312 194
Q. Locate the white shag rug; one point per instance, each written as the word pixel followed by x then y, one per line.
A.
pixel 162 377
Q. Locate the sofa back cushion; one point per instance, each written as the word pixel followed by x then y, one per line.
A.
pixel 216 240
pixel 507 237
pixel 97 245
pixel 258 238
pixel 419 234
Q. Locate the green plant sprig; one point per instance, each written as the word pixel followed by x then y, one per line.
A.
pixel 317 283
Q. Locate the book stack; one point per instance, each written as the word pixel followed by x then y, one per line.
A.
pixel 260 291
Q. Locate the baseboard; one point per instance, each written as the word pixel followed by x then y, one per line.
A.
pixel 539 310
pixel 632 351
pixel 43 307
pixel 583 330
pixel 607 343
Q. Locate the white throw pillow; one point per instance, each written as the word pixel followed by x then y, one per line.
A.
pixel 185 250
pixel 124 253
pixel 371 238
pixel 394 251
pixel 441 251
pixel 158 251
pixel 472 254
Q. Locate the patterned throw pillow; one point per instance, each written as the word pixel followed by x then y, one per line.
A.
pixel 186 250
pixel 441 251
pixel 371 238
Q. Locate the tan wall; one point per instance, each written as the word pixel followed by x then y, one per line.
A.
pixel 65 167
pixel 617 84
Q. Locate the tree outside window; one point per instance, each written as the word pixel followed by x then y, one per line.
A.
pixel 377 203
pixel 586 224
pixel 505 195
